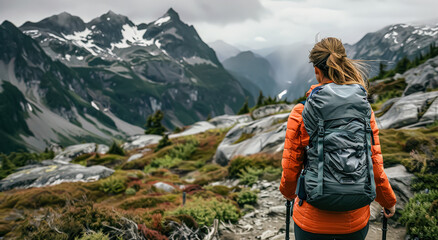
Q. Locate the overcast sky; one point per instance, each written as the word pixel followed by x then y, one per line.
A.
pixel 252 23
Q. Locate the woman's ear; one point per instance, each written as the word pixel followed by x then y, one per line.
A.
pixel 318 74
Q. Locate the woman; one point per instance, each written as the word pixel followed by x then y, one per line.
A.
pixel 331 67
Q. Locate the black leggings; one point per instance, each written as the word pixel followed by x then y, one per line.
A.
pixel 300 234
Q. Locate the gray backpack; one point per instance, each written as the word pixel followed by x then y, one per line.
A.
pixel 338 175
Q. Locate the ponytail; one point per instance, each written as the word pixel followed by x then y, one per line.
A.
pixel 329 56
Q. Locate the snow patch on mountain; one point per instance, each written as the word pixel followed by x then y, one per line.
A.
pixel 93 104
pixel 197 60
pixel 162 20
pixel 280 95
pixel 131 35
pixel 81 39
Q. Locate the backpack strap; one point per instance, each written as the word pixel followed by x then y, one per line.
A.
pixel 320 156
pixel 368 132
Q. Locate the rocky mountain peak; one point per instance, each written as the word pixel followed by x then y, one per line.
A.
pixel 59 23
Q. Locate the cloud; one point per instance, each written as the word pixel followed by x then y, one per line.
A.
pixel 260 39
pixel 216 12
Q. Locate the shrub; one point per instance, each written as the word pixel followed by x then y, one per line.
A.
pixel 116 149
pixel 420 215
pixel 94 236
pixel 147 202
pixel 130 191
pixel 205 211
pixel 259 161
pixel 70 221
pixel 250 175
pixel 246 196
pixel 219 189
pixel 271 173
pixel 413 143
pixel 164 141
pixel 113 185
pixel 165 162
pixel 425 181
pixel 150 234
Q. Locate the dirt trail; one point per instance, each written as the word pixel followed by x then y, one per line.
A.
pixel 267 221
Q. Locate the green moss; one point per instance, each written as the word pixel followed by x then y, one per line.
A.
pixel 243 137
pixel 205 211
pixel 148 202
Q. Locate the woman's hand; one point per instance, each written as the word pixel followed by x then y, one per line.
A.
pixel 289 199
pixel 391 211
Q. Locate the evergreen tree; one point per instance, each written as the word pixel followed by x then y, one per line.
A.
pixel 153 124
pixel 7 167
pixel 116 149
pixel 245 108
pixel 260 100
pixel 163 142
pixel 382 71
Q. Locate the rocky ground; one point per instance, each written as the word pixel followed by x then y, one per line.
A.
pixel 267 221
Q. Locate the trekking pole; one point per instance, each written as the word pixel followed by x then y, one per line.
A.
pixel 384 224
pixel 288 212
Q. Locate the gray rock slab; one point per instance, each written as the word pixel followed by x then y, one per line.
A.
pixel 264 111
pixel 41 176
pixel 73 151
pixel 406 110
pixel 139 141
pixel 196 128
pixel 225 121
pixel 268 136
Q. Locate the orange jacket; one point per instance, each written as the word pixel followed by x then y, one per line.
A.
pixel 312 219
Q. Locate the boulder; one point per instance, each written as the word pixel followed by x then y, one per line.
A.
pixel 102 149
pixel 263 135
pixel 164 186
pixel 422 77
pixel 73 151
pixel 400 180
pixel 225 121
pixel 196 128
pixel 139 141
pixel 135 156
pixel 431 114
pixel 264 111
pixel 40 175
pixel 406 110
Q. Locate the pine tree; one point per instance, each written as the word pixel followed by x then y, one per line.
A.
pixel 245 108
pixel 260 100
pixel 153 124
pixel 116 149
pixel 7 167
pixel 382 71
pixel 163 142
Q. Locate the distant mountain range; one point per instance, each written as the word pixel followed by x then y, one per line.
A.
pixel 390 44
pixel 70 81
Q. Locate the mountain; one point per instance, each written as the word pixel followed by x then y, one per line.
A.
pixel 394 42
pixel 102 79
pixel 389 44
pixel 45 101
pixel 224 50
pixel 293 72
pixel 254 72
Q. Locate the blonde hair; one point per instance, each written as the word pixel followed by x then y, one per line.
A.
pixel 330 57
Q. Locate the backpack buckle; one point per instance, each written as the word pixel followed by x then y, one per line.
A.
pixel 321 131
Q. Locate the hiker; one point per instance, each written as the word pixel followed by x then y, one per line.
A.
pixel 332 151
